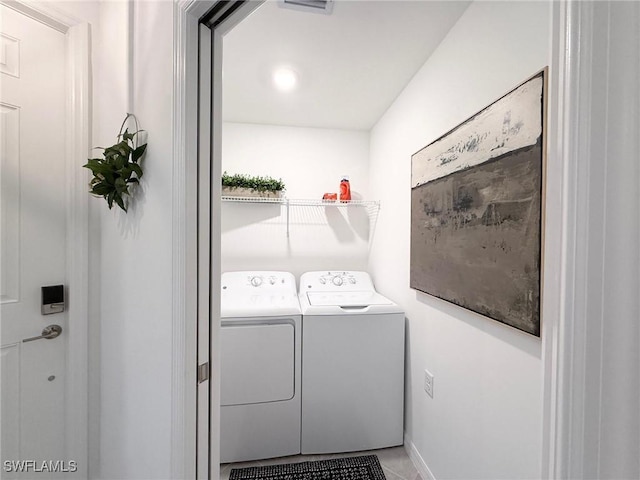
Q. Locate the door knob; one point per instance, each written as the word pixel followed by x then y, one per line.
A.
pixel 49 332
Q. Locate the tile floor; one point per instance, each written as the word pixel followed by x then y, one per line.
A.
pixel 395 462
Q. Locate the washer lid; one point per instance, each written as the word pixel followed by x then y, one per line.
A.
pixel 347 299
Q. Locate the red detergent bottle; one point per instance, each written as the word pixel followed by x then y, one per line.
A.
pixel 345 189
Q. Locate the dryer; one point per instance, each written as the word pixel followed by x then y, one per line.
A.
pixel 352 364
pixel 260 348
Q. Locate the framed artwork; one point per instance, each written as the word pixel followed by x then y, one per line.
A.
pixel 476 210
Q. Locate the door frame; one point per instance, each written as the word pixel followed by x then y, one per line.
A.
pixel 190 233
pixel 573 350
pixel 184 354
pixel 78 138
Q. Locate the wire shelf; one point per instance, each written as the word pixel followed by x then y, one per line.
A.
pixel 295 202
pixel 372 206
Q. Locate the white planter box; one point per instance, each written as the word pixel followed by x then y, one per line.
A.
pixel 248 192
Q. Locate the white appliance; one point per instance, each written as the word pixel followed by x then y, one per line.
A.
pixel 352 364
pixel 260 364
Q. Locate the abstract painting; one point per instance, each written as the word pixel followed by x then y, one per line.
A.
pixel 476 210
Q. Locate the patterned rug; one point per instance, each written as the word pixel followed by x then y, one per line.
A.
pixel 350 468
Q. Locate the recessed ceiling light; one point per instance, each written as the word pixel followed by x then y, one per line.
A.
pixel 285 79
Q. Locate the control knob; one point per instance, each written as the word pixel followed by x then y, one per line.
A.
pixel 337 281
pixel 256 281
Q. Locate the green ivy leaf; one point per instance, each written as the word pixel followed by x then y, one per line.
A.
pixel 136 168
pixel 138 153
pixel 128 136
pixel 99 168
pixel 120 202
pixel 125 172
pixel 119 162
pixel 101 189
pixel 121 186
pixel 110 199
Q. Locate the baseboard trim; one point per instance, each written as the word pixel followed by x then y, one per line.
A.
pixel 416 458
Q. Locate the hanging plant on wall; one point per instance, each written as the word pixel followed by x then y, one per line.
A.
pixel 119 168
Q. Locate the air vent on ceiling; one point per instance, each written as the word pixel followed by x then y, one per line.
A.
pixel 317 6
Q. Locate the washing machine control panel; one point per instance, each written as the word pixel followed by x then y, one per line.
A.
pixel 335 280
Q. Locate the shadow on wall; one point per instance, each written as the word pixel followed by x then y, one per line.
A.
pixel 129 221
pixel 318 237
pixel 347 225
pixel 339 224
pixel 235 216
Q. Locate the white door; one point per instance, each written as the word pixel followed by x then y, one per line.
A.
pixel 32 223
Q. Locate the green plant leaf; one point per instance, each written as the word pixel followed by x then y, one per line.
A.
pixel 138 153
pixel 99 168
pixel 101 189
pixel 136 168
pixel 127 136
pixel 120 202
pixel 110 151
pixel 121 187
pixel 125 172
pixel 119 161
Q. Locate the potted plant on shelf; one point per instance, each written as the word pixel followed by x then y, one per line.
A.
pixel 240 185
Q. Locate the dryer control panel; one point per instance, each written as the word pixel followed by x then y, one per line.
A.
pixel 330 281
pixel 258 293
pixel 262 282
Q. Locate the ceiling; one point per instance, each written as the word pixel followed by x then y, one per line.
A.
pixel 351 64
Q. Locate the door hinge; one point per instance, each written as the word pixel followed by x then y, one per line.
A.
pixel 203 372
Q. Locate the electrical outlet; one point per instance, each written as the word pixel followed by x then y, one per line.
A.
pixel 428 383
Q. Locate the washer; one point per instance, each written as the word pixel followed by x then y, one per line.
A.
pixel 352 364
pixel 260 366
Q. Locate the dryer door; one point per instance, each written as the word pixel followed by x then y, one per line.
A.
pixel 257 362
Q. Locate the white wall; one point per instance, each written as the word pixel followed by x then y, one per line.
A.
pixel 135 255
pixel 310 161
pixel 130 264
pixel 486 415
